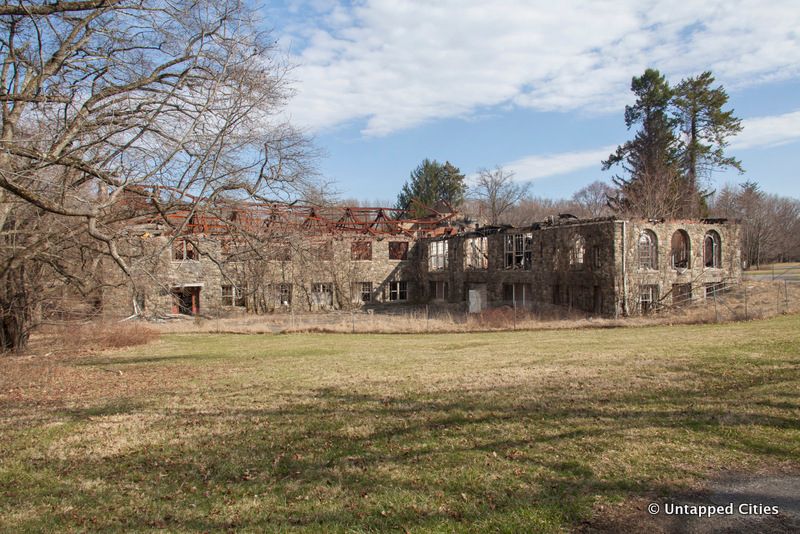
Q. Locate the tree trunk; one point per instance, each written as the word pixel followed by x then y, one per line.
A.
pixel 13 332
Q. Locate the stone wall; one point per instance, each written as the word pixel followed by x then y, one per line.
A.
pixel 694 276
pixel 309 264
pixel 564 264
pixel 592 266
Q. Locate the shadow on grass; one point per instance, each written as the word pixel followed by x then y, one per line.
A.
pixel 498 459
pixel 121 360
pixel 116 407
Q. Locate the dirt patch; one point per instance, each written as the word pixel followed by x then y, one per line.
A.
pixel 732 502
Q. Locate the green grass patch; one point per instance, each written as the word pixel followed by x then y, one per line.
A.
pixel 501 432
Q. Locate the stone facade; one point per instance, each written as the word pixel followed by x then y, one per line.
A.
pixel 607 267
pixel 588 265
pixel 698 274
pixel 317 273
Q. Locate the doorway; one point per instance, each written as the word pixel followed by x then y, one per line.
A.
pixel 186 300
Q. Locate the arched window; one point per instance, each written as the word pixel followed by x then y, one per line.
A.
pixel 712 250
pixel 680 250
pixel 578 250
pixel 648 250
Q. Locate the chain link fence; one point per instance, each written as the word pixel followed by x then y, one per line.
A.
pixel 751 299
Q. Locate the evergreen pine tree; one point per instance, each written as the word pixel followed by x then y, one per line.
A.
pixel 429 185
pixel 653 187
pixel 705 128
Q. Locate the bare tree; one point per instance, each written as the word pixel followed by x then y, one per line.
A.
pixel 537 209
pixel 784 216
pixel 770 223
pixel 496 192
pixel 593 199
pixel 115 109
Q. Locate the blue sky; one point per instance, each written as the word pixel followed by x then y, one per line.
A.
pixel 537 87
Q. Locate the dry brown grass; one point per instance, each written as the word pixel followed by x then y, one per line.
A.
pixel 483 432
pixel 76 337
pixel 751 300
pixel 764 299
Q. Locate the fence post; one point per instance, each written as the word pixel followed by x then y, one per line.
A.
pixel 353 318
pixel 515 314
pixel 716 313
pixel 786 295
pixel 745 302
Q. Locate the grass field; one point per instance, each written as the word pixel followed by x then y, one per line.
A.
pixel 509 432
pixel 780 271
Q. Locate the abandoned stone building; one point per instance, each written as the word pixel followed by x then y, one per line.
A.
pixel 606 266
pixel 371 258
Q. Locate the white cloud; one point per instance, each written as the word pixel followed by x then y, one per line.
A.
pixel 541 166
pixel 768 131
pixel 397 64
pixel 756 132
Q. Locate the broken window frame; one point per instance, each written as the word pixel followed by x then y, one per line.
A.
pixel 184 250
pixel 577 252
pixel 518 294
pixel 437 255
pixel 283 294
pixel 398 250
pixel 361 251
pixel 476 253
pixel 596 257
pixel 647 250
pixel 227 294
pixel 712 259
pixel 439 289
pixel 324 293
pixel 234 296
pixel 518 253
pixel 361 292
pixel 398 291
pixel 648 298
pixel 680 252
pixel 323 251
